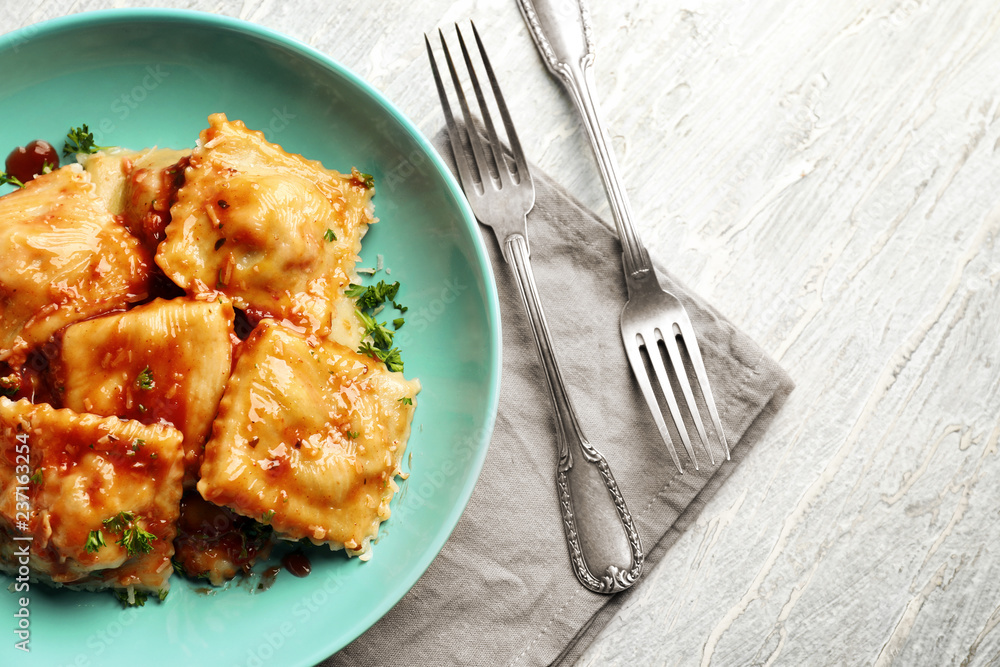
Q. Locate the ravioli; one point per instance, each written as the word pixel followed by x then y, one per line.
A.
pixel 215 544
pixel 65 259
pixel 83 470
pixel 162 361
pixel 309 439
pixel 276 233
pixel 140 187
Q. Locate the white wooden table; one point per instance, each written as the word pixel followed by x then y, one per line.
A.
pixel 827 174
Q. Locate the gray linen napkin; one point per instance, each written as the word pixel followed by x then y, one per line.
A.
pixel 502 591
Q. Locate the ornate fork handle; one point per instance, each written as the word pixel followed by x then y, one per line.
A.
pixel 603 542
pixel 561 30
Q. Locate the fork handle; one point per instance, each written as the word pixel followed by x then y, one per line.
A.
pixel 604 545
pixel 561 31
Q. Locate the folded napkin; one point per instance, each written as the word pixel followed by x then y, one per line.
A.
pixel 502 591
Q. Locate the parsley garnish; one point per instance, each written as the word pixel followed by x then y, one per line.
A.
pixel 368 180
pixel 381 336
pixel 80 140
pixel 145 379
pixel 406 400
pixel 95 540
pixel 267 516
pixel 139 598
pixel 8 179
pixel 329 235
pixel 391 357
pixel 10 391
pixel 373 296
pixel 36 477
pixel 370 299
pixel 134 539
pixel 354 435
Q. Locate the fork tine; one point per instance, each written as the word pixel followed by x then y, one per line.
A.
pixel 691 343
pixel 633 351
pixel 468 180
pixel 515 143
pixel 670 341
pixel 475 140
pixel 494 144
pixel 656 359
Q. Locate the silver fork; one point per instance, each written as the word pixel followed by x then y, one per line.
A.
pixel 652 316
pixel 604 545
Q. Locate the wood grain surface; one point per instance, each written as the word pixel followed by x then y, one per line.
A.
pixel 826 174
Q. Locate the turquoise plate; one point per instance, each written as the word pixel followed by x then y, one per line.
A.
pixel 142 78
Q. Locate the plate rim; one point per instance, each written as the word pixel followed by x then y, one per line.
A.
pixel 104 17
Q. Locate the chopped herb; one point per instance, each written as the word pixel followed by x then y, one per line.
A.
pixel 80 140
pixel 10 391
pixel 134 539
pixel 267 516
pixel 329 235
pixel 145 379
pixel 36 477
pixel 354 435
pixel 370 300
pixel 220 243
pixel 401 308
pixel 391 357
pixel 142 410
pixel 406 400
pixel 178 568
pixel 95 540
pixel 139 598
pixel 393 361
pixel 9 179
pixel 381 335
pixel 46 168
pixel 119 522
pixel 375 295
pixel 368 180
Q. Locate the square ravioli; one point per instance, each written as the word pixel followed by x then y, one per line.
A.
pixel 139 186
pixel 164 361
pixel 98 496
pixel 275 232
pixel 65 259
pixel 309 438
